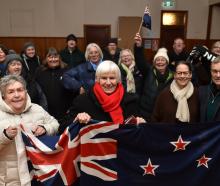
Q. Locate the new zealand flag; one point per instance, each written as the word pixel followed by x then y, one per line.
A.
pixel 146 19
pixel 131 155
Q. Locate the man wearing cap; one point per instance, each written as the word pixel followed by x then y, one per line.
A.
pixel 71 55
pixel 111 52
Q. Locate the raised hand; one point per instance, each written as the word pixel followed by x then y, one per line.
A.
pixel 138 40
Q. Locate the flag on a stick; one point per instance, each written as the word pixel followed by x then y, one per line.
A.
pixel 146 22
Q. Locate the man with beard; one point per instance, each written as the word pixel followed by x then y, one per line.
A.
pixel 111 52
pixel 71 55
pixel 209 95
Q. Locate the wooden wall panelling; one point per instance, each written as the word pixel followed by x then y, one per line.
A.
pixel 41 43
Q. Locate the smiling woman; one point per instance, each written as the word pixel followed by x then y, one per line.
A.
pixel 180 99
pixel 49 78
pixel 105 101
pixel 16 109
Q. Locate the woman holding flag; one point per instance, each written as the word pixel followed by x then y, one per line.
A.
pixel 16 109
pixel 106 101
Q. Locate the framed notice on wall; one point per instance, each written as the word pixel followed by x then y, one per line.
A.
pixel 147 44
pixel 155 44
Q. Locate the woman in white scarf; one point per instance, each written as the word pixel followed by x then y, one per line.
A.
pixel 178 102
pixel 131 76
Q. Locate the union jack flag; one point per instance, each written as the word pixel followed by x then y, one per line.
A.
pixel 131 155
pixel 54 159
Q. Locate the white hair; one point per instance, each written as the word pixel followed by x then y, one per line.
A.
pixel 108 67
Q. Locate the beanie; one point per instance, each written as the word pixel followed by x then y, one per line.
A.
pixel 162 52
pixel 71 37
pixel 11 57
pixel 28 44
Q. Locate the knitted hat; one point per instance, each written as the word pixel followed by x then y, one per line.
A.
pixel 71 37
pixel 11 57
pixel 162 52
pixel 28 44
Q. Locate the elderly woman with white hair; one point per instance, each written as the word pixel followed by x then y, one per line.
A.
pixel 106 101
pixel 132 78
pixel 15 109
pixel 82 77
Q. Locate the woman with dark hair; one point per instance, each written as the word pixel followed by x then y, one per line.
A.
pixel 49 77
pixel 3 53
pixel 30 58
pixel 179 102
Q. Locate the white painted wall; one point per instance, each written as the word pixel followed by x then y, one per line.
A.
pixel 61 17
pixel 211 2
pixel 215 23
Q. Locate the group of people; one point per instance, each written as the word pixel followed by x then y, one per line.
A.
pixel 106 85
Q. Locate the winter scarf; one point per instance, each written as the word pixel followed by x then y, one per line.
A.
pixel 111 103
pixel 129 78
pixel 181 95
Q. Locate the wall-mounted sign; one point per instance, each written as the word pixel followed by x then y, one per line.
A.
pixel 168 4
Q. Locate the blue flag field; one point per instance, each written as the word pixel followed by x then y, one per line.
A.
pixel 107 154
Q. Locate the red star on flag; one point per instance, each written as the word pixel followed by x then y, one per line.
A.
pixel 149 168
pixel 203 161
pixel 180 144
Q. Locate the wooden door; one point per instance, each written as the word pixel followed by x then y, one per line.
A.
pixel 99 34
pixel 127 28
pixel 173 25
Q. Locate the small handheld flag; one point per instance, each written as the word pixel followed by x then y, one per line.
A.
pixel 146 20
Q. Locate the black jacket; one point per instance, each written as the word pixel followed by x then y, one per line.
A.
pixel 150 86
pixel 206 96
pixel 88 103
pixel 58 98
pixel 30 64
pixel 72 59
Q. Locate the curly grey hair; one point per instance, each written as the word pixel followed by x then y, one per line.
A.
pixel 10 79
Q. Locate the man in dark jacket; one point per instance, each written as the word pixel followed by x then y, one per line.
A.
pixel 209 95
pixel 178 53
pixel 71 55
pixel 111 52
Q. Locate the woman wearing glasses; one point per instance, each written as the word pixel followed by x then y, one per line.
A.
pixel 178 103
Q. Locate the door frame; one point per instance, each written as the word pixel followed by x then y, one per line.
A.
pixel 104 27
pixel 162 27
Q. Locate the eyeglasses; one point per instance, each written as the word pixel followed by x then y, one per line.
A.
pixel 182 73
